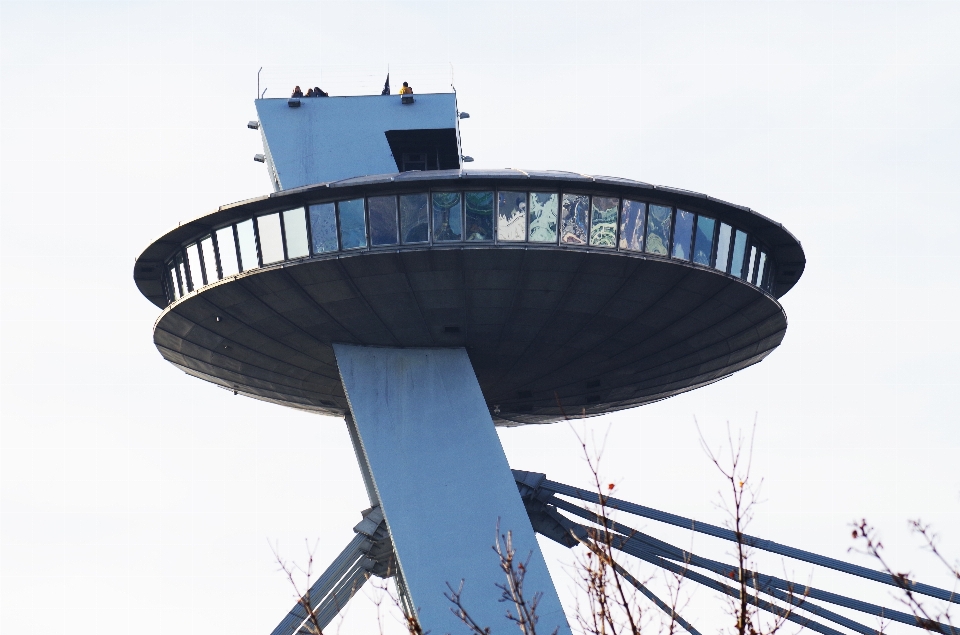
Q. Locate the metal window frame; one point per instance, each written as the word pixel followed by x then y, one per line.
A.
pixel 396 208
pixel 616 229
pixel 366 224
pixel 493 217
pixel 690 240
pixel 400 218
pixel 451 190
pixel 556 238
pixel 587 219
pixel 643 225
pixel 526 217
pixel 646 229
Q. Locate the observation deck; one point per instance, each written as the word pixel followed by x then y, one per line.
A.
pixel 572 294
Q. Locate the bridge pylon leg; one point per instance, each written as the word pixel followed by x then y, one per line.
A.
pixel 439 473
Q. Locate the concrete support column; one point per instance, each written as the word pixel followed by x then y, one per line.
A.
pixel 442 480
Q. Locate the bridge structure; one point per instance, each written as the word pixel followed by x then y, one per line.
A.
pixel 424 303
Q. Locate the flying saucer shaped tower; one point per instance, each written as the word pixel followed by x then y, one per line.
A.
pixel 425 303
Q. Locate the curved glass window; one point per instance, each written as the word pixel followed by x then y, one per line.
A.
pixel 353 224
pixel 323 228
pixel 196 270
pixel 682 234
pixel 295 233
pixel 248 245
pixel 543 217
pixel 209 255
pixel 573 219
pixel 703 240
pixel 447 216
pixel 658 230
pixel 739 254
pixel 603 221
pixel 452 216
pixel 414 221
pixel 479 212
pixel 271 238
pixel 723 247
pixel 511 216
pixel 227 251
pixel 383 220
pixel 631 225
pixel 174 285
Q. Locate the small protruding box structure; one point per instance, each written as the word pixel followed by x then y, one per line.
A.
pixel 331 138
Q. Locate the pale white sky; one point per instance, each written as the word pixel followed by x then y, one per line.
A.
pixel 136 497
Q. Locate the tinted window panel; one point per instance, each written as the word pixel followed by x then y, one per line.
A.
pixel 447 216
pixel 193 259
pixel 209 259
pixel 295 230
pixel 181 275
pixel 603 221
pixel 723 247
pixel 413 218
pixel 353 225
pixel 479 209
pixel 682 234
pixel 761 269
pixel 573 219
pixel 750 266
pixel 658 230
pixel 323 228
pixel 271 241
pixel 227 250
pixel 174 285
pixel 631 225
pixel 383 220
pixel 739 253
pixel 248 245
pixel 703 241
pixel 511 216
pixel 544 207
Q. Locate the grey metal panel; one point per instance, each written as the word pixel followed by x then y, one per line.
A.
pixel 442 479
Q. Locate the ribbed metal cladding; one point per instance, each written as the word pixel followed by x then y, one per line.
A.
pixel 550 332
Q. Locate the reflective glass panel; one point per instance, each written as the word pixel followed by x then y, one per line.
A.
pixel 761 269
pixel 193 259
pixel 413 218
pixel 353 225
pixel 479 212
pixel 543 216
pixel 739 253
pixel 658 230
pixel 631 225
pixel 209 259
pixel 603 221
pixel 682 234
pixel 383 220
pixel 573 219
pixel 227 250
pixel 753 260
pixel 323 228
pixel 248 245
pixel 511 215
pixel 182 272
pixel 295 231
pixel 703 240
pixel 172 282
pixel 447 216
pixel 723 247
pixel 271 240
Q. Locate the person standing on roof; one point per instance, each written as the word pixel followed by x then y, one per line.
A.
pixel 406 90
pixel 297 92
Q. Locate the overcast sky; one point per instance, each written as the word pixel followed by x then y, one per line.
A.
pixel 137 498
